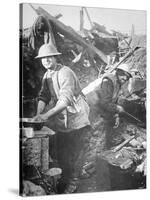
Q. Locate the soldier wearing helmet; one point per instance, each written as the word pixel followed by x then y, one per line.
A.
pixel 123 73
pixel 108 92
pixel 62 105
pixel 110 87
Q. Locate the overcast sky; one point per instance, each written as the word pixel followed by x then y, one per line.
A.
pixel 116 19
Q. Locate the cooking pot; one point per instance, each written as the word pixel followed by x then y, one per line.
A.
pixel 30 122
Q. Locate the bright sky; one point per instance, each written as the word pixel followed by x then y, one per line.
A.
pixel 116 19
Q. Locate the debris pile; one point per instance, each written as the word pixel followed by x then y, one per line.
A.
pixel 130 155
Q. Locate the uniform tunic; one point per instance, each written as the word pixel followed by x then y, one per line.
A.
pixel 108 92
pixel 63 85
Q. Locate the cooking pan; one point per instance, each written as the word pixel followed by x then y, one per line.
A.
pixel 30 122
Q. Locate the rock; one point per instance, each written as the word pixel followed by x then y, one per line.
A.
pixel 30 189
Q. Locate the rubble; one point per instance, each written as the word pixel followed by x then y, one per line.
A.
pixel 131 152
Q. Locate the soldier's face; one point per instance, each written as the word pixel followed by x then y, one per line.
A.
pixel 49 62
pixel 123 78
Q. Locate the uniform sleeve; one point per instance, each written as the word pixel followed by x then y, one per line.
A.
pixel 67 84
pixel 105 93
pixel 44 94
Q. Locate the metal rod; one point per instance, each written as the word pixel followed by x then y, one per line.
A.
pixel 132 117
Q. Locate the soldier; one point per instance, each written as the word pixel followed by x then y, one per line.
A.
pixel 63 105
pixel 108 92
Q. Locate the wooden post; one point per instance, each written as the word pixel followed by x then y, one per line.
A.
pixel 81 20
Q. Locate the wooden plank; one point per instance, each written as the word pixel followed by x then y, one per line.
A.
pixel 120 146
pixel 70 33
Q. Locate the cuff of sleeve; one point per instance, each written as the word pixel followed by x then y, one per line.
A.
pixel 43 99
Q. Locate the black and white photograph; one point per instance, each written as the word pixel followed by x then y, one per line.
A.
pixel 83 99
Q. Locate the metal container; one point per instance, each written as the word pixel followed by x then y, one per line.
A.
pixel 28 132
pixel 30 122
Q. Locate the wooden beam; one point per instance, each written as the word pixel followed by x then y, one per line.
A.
pixel 73 35
pixel 81 20
pixel 58 16
pixel 120 146
pixel 34 8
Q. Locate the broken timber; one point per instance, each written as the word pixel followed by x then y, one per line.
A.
pixel 70 33
pixel 120 146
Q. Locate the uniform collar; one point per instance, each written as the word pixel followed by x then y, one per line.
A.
pixel 50 72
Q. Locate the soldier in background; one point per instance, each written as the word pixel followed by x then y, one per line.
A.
pixel 108 92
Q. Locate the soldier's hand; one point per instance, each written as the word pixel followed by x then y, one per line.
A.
pixel 117 121
pixel 40 117
pixel 37 118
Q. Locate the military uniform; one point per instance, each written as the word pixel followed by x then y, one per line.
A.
pixel 108 92
pixel 72 138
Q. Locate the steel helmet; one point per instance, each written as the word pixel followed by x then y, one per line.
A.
pixel 47 50
pixel 125 67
